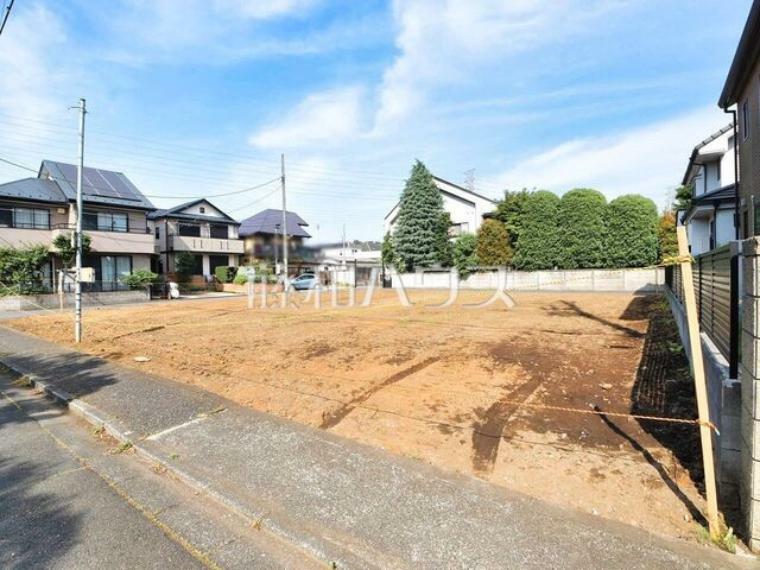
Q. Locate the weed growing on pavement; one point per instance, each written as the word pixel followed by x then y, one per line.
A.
pixel 125 446
pixel 726 540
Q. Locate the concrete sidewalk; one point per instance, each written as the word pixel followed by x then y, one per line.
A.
pixel 340 501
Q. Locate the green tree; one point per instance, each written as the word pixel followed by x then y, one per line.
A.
pixel 683 198
pixel 444 251
pixel 464 256
pixel 632 232
pixel 509 211
pixel 582 221
pixel 387 254
pixel 493 243
pixel 537 244
pixel 184 263
pixel 418 235
pixel 21 269
pixel 666 233
pixel 67 250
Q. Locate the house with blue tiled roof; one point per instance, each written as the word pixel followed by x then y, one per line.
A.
pixel 262 235
pixel 35 210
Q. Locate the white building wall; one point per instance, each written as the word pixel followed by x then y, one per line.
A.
pixel 724 227
pixel 699 236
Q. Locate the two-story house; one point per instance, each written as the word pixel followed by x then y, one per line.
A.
pixel 198 228
pixel 742 91
pixel 465 207
pixel 262 234
pixel 710 175
pixel 37 210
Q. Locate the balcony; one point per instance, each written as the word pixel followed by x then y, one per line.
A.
pixel 205 244
pixel 135 240
pixel 20 237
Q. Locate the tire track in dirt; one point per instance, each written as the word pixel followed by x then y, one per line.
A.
pixel 489 428
pixel 331 419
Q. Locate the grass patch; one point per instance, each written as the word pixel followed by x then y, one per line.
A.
pixel 123 447
pixel 726 539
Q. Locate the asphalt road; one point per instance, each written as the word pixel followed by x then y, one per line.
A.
pixel 57 513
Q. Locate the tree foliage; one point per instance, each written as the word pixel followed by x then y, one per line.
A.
pixel 21 269
pixel 445 249
pixel 666 234
pixel 582 223
pixel 683 198
pixel 184 263
pixel 139 279
pixel 632 232
pixel 67 250
pixel 509 211
pixel 464 256
pixel 386 253
pixel 537 242
pixel 419 231
pixel 493 247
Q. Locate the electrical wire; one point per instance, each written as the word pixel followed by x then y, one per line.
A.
pixel 7 15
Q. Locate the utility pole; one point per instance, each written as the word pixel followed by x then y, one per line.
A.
pixel 80 167
pixel 284 225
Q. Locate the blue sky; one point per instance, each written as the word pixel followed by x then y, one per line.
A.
pixel 193 98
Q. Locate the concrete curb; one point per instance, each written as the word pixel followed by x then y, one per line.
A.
pixel 96 418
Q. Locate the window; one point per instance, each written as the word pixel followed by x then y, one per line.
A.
pixel 198 265
pixel 30 218
pixel 218 231
pixel 202 209
pixel 157 232
pixel 717 165
pixel 189 230
pixel 745 120
pixel 113 268
pixel 6 218
pixel 105 221
pixel 217 261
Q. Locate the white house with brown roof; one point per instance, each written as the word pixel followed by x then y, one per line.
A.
pixel 465 207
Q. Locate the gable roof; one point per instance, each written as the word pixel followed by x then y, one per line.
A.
pixel 98 186
pixel 266 222
pixel 177 212
pixel 33 189
pixel 700 146
pixel 747 54
pixel 444 191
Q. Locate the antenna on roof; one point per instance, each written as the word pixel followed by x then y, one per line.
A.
pixel 469 179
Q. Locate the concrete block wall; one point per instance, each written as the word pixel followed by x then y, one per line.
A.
pixel 749 376
pixel 642 280
pixel 724 400
pixel 52 301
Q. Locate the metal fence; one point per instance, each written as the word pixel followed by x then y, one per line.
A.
pixel 717 295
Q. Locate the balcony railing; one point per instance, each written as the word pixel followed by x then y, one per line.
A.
pixel 204 244
pixel 129 230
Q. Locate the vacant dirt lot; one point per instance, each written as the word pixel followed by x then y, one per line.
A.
pixel 442 385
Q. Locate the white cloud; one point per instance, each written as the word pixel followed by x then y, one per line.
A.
pixel 325 118
pixel 647 160
pixel 442 43
pixel 28 80
pixel 143 31
pixel 265 9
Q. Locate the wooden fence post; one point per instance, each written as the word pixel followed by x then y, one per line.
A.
pixel 700 382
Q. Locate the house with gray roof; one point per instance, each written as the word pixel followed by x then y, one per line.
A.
pixel 35 211
pixel 200 229
pixel 262 236
pixel 709 175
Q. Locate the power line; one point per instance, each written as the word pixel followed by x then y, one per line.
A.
pixel 17 165
pixel 248 189
pixel 7 15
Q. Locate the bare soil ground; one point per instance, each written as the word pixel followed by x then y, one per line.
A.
pixel 442 385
